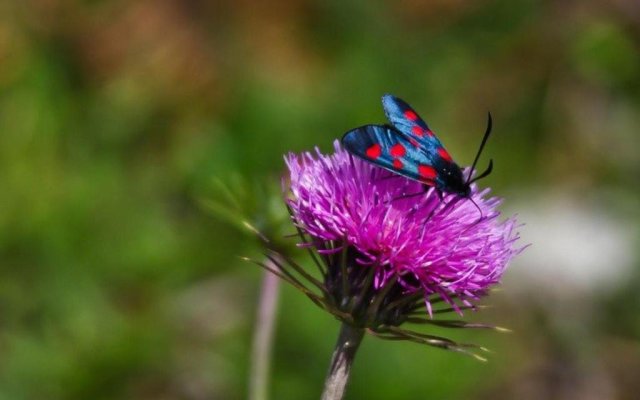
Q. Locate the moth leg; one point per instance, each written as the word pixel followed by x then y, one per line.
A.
pixel 384 178
pixel 425 189
pixel 407 196
pixel 415 207
pixel 440 195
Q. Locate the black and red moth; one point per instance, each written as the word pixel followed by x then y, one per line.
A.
pixel 409 148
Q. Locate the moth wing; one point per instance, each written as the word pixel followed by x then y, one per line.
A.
pixel 389 148
pixel 406 120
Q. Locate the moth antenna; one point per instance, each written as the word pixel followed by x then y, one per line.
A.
pixel 484 174
pixel 484 141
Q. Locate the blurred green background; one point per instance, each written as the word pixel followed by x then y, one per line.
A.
pixel 116 116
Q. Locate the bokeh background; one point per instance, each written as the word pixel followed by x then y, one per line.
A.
pixel 120 277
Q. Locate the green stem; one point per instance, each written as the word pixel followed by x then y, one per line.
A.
pixel 339 371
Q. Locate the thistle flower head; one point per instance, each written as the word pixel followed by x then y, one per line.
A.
pixel 387 250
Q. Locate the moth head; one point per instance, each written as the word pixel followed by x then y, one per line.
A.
pixel 453 181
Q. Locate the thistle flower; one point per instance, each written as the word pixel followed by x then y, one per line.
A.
pixel 444 250
pixel 388 254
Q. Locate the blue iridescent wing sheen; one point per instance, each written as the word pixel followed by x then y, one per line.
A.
pixel 388 148
pixel 406 120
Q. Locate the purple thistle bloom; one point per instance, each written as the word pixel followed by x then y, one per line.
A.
pixel 440 250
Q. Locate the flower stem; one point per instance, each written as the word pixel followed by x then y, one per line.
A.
pixel 263 337
pixel 338 376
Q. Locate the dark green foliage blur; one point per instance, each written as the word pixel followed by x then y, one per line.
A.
pixel 120 280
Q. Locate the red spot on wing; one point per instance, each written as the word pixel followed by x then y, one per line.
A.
pixel 417 130
pixel 411 115
pixel 374 151
pixel 397 164
pixel 427 172
pixel 443 153
pixel 397 150
pixel 429 133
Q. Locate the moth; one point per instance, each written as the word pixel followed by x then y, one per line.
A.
pixel 409 148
